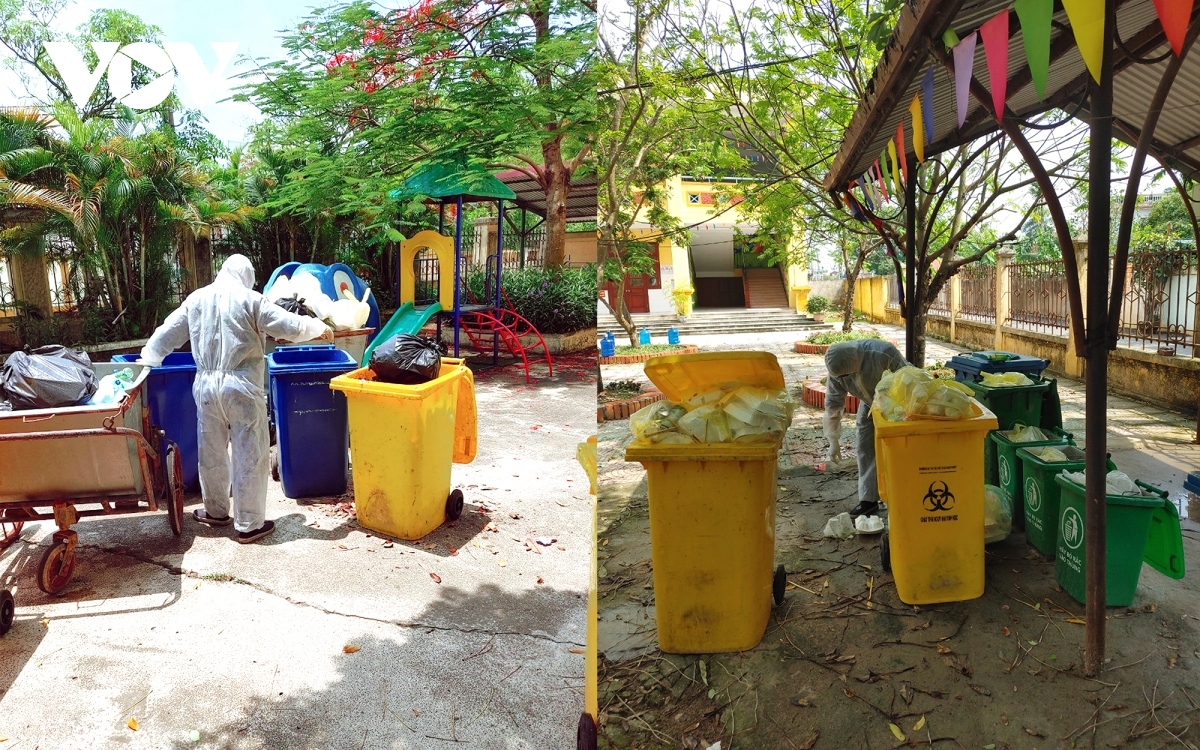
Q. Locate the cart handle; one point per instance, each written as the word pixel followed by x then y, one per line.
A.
pixel 28 419
pixel 1151 488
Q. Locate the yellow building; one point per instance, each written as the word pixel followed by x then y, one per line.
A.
pixel 723 271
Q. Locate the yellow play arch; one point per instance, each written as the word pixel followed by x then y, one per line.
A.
pixel 443 248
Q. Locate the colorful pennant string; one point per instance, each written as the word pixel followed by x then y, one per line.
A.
pixel 900 150
pixel 1035 17
pixel 895 167
pixel 964 70
pixel 918 129
pixel 1087 21
pixel 1174 15
pixel 994 33
pixel 927 111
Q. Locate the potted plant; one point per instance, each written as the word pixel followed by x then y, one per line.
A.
pixel 817 305
pixel 682 295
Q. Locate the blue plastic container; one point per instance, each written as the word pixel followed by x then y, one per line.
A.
pixel 643 336
pixel 310 419
pixel 608 347
pixel 672 336
pixel 969 366
pixel 173 409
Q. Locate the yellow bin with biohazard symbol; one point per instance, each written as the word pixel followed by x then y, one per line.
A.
pixel 931 476
pixel 403 440
pixel 712 515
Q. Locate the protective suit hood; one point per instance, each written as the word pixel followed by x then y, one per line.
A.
pixel 239 268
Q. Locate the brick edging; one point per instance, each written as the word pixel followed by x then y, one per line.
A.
pixel 617 410
pixel 813 394
pixel 629 359
pixel 803 347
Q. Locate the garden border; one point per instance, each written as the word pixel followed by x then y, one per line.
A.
pixel 630 359
pixel 813 394
pixel 617 410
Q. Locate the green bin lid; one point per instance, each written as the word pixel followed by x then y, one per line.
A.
pixel 1164 544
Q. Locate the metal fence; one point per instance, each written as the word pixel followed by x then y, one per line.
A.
pixel 940 307
pixel 1037 294
pixel 893 293
pixel 7 296
pixel 1159 307
pixel 978 294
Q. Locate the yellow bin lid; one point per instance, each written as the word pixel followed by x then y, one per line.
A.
pixel 682 376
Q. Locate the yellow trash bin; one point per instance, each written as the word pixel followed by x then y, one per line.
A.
pixel 403 439
pixel 712 516
pixel 931 476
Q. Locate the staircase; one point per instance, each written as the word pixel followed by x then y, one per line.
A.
pixel 705 322
pixel 764 288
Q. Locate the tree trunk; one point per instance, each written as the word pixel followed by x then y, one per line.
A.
pixel 204 274
pixel 621 312
pixel 848 303
pixel 920 313
pixel 557 181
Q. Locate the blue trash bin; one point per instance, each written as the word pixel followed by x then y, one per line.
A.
pixel 173 409
pixel 310 419
pixel 969 366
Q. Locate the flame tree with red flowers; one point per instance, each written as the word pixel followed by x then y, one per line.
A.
pixel 365 97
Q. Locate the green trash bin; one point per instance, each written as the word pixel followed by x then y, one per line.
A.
pixel 1017 404
pixel 1042 493
pixel 1140 528
pixel 1008 468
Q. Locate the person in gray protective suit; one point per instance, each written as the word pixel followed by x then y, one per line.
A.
pixel 855 368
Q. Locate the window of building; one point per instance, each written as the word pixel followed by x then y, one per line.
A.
pixel 693 199
pixel 58 275
pixel 7 294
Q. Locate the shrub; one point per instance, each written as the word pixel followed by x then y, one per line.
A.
pixel 554 300
pixel 836 337
pixel 817 304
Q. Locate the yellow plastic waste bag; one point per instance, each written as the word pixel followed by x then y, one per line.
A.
pixel 997 514
pixel 1050 454
pixel 654 422
pixel 913 392
pixel 1026 434
pixel 1004 379
pixel 729 413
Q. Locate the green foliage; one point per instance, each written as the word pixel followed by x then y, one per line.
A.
pixel 554 300
pixel 836 337
pixel 817 304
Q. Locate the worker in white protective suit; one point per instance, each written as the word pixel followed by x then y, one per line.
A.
pixel 855 368
pixel 227 322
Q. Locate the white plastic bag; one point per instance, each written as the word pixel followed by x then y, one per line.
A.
pixel 1004 379
pixel 839 527
pixel 652 423
pixel 308 288
pixel 350 314
pixel 1050 454
pixel 708 424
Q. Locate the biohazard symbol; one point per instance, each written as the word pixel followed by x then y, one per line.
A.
pixel 938 498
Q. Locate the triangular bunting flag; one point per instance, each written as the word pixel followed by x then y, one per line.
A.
pixel 918 128
pixel 1087 21
pixel 1174 15
pixel 964 69
pixel 994 33
pixel 1035 17
pixel 900 148
pixel 882 184
pixel 866 196
pixel 895 167
pixel 927 111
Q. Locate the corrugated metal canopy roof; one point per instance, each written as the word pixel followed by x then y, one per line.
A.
pixel 917 43
pixel 581 200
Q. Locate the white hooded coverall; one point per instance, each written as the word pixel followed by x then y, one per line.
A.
pixel 227 322
pixel 855 367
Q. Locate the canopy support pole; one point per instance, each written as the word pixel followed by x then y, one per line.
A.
pixel 910 261
pixel 1145 138
pixel 1191 210
pixel 1096 376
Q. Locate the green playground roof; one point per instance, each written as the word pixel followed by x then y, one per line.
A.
pixel 442 182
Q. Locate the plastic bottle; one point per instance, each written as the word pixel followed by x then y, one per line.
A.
pixel 672 336
pixel 643 337
pixel 112 387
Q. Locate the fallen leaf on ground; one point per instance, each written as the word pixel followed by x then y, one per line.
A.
pixel 388 544
pixel 515 516
pixel 540 580
pixel 1076 621
pixel 808 742
pixel 1005 632
pixel 920 723
pixel 906 693
pixel 436 578
pixel 453 551
pixel 1033 732
pixel 943 649
pixel 801 703
pixel 132 723
pixel 351 648
pixel 45 622
pixel 416 712
pixel 981 690
pixel 922 626
pixel 577 650
pixel 896 732
pixel 1004 720
pixel 501 562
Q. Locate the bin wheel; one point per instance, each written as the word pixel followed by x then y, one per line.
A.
pixel 275 463
pixel 56 569
pixel 454 505
pixel 8 610
pixel 779 585
pixel 174 489
pixel 885 552
pixel 587 738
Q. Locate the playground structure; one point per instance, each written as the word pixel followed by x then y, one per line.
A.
pixel 490 323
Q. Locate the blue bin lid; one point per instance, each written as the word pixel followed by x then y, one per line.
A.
pixel 310 359
pixel 175 361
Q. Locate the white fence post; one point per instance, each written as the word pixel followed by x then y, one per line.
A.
pixel 1003 260
pixel 955 303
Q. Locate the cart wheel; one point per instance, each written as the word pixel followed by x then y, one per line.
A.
pixel 275 463
pixel 8 610
pixel 454 505
pixel 174 489
pixel 779 585
pixel 587 733
pixel 56 569
pixel 885 552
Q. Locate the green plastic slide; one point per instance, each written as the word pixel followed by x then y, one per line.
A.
pixel 408 319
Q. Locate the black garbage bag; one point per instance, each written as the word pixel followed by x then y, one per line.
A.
pixel 406 359
pixel 47 377
pixel 295 305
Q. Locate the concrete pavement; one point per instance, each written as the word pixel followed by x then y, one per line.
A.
pixel 246 644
